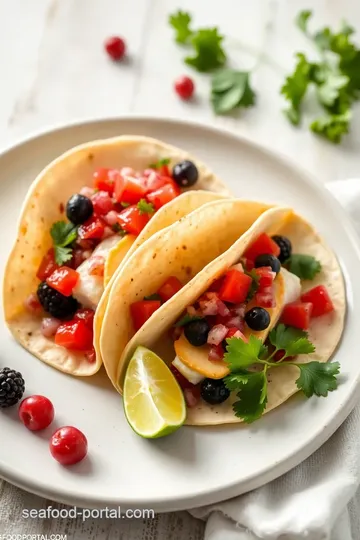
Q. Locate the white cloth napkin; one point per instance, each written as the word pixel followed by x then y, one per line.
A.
pixel 319 499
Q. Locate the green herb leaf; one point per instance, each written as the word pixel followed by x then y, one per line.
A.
pixel 154 296
pixel 317 379
pixel 63 234
pixel 329 91
pixel 209 53
pixel 234 380
pixel 125 204
pixel 230 90
pixel 145 207
pixel 292 340
pixel 332 127
pixel 295 87
pixel 62 254
pixel 241 355
pixel 186 319
pixel 302 19
pixel 303 266
pixel 160 163
pixel 180 21
pixel 252 396
pixel 254 284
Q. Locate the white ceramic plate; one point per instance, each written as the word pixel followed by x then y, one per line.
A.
pixel 195 466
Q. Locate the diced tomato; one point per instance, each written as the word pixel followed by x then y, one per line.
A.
pixel 128 190
pixel 32 304
pixel 74 335
pixel 96 265
pixel 162 196
pixel 235 287
pixel 216 353
pixel 93 228
pixel 104 179
pixel 320 299
pixel 63 280
pixel 168 289
pixel 266 277
pixel 263 244
pixel 154 181
pixel 265 298
pixel 86 315
pixel 164 170
pixel 141 311
pixel 297 314
pixel 235 332
pixel 183 382
pixel 216 285
pixel 91 356
pixel 102 203
pixel 47 265
pixel 249 264
pixel 132 220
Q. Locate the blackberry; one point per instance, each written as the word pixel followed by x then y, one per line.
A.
pixel 285 247
pixel 55 303
pixel 12 387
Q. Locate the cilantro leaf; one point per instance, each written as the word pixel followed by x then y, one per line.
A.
pixel 302 19
pixel 329 91
pixel 125 204
pixel 316 378
pixel 303 266
pixel 295 86
pixel 180 21
pixel 209 53
pixel 292 340
pixel 63 234
pixel 154 296
pixel 241 355
pixel 145 207
pixel 159 163
pixel 254 284
pixel 231 89
pixel 186 319
pixel 234 380
pixel 252 397
pixel 332 126
pixel 62 254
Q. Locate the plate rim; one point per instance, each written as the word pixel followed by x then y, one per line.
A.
pixel 204 496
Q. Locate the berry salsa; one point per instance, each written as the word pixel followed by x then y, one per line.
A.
pixel 71 274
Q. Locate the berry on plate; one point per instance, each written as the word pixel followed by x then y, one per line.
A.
pixel 36 412
pixel 12 387
pixel 68 445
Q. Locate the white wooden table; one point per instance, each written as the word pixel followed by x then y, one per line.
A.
pixel 54 70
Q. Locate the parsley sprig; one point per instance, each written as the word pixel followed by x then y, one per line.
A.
pixel 251 386
pixel 303 266
pixel 63 235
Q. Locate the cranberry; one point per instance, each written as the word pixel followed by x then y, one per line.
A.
pixel 68 445
pixel 115 47
pixel 36 412
pixel 184 87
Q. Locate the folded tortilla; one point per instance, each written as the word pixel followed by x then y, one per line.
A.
pixel 44 205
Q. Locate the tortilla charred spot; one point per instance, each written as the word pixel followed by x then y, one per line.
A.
pixel 22 256
pixel 29 334
pixel 154 256
pixel 23 229
pixel 90 156
pixel 184 247
pixel 188 270
pixel 61 208
pixel 42 220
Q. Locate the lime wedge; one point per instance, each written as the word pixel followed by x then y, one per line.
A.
pixel 153 401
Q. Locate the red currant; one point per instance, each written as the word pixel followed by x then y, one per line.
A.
pixel 184 87
pixel 68 445
pixel 36 412
pixel 115 47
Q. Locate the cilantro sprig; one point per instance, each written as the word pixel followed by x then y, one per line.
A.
pixel 145 207
pixel 63 235
pixel 315 378
pixel 160 163
pixel 303 266
pixel 231 89
pixel 336 77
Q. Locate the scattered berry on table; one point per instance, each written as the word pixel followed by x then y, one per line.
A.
pixel 115 47
pixel 185 173
pixel 184 87
pixel 79 209
pixel 12 387
pixel 285 247
pixel 36 412
pixel 68 445
pixel 214 391
pixel 55 303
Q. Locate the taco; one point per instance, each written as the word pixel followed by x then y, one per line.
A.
pixel 278 283
pixel 84 215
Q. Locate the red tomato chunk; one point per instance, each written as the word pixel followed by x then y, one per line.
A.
pixel 141 311
pixel 102 203
pixel 297 314
pixel 132 220
pixel 63 280
pixel 75 335
pixel 263 244
pixel 162 196
pixel 47 265
pixel 104 179
pixel 128 190
pixel 93 228
pixel 320 299
pixel 87 315
pixel 169 288
pixel 235 287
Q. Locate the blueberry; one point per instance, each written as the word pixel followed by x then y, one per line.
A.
pixel 257 318
pixel 214 391
pixel 268 260
pixel 79 209
pixel 185 173
pixel 196 332
pixel 285 247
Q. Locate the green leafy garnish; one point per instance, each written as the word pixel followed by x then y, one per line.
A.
pixel 231 89
pixel 249 363
pixel 118 230
pixel 336 77
pixel 160 163
pixel 186 319
pixel 154 296
pixel 254 284
pixel 303 266
pixel 145 207
pixel 63 234
pixel 125 204
pixel 180 21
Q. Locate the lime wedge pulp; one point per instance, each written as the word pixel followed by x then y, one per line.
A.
pixel 153 401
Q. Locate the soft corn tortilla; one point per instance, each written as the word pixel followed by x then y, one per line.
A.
pixel 181 250
pixel 325 331
pixel 44 205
